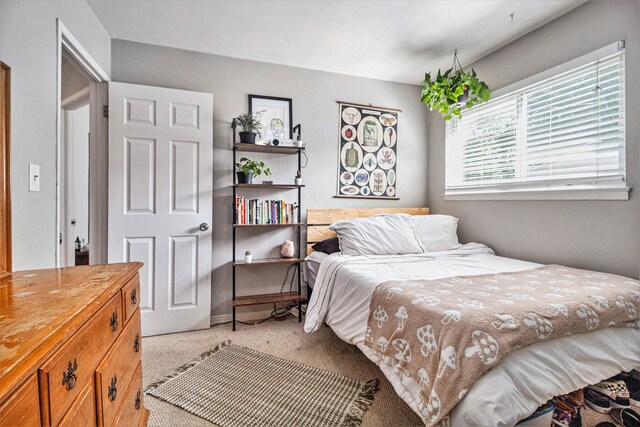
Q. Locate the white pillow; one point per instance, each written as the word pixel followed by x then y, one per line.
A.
pixel 436 232
pixel 377 235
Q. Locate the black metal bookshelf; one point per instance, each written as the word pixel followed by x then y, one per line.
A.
pixel 281 297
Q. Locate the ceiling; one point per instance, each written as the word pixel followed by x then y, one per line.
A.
pixel 395 40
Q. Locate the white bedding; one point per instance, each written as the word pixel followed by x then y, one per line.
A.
pixel 312 266
pixel 512 390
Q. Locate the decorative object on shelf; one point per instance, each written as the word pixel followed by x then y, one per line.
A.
pixel 267 182
pixel 367 156
pixel 248 257
pixel 248 169
pixel 276 118
pixel 453 91
pixel 251 126
pixel 287 250
pixel 298 178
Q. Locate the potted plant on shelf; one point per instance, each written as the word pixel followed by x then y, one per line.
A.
pixel 248 169
pixel 454 90
pixel 250 124
pixel 248 257
pixel 298 178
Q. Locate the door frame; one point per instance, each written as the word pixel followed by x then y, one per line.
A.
pixel 97 160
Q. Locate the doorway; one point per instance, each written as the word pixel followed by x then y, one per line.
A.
pixel 75 245
pixel 81 218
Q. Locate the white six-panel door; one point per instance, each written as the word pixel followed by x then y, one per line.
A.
pixel 160 200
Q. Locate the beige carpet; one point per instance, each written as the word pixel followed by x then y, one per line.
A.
pixel 323 349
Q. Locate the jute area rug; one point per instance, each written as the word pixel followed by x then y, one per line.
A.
pixel 236 386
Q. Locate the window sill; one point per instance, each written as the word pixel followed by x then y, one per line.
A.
pixel 611 193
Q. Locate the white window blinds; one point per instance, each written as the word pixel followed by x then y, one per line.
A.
pixel 562 132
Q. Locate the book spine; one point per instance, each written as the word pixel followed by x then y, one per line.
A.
pixel 235 210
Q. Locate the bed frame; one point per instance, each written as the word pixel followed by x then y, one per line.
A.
pixel 318 220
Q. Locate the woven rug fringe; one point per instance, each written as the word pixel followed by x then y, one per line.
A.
pixel 184 368
pixel 357 409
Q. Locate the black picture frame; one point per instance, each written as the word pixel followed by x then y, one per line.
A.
pixel 286 103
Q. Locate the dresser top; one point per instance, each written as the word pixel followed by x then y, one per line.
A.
pixel 35 305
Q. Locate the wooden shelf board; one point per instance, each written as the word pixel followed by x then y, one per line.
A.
pixel 257 148
pixel 267 298
pixel 267 186
pixel 263 261
pixel 269 225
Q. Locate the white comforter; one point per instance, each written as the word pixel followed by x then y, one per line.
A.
pixel 524 380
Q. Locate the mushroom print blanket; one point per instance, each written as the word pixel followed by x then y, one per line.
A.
pixel 445 334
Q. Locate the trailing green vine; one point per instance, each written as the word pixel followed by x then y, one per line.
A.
pixel 452 92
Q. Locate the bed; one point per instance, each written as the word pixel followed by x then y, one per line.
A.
pixel 508 392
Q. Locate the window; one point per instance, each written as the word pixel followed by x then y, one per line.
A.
pixel 560 135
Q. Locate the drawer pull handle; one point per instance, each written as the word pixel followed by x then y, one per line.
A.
pixel 113 390
pixel 136 343
pixel 138 401
pixel 113 322
pixel 69 378
pixel 134 296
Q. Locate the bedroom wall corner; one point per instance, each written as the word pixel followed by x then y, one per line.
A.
pixel 597 235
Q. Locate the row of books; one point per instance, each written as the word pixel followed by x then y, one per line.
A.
pixel 255 211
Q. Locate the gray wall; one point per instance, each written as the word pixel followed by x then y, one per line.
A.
pixel 600 235
pixel 314 97
pixel 28 46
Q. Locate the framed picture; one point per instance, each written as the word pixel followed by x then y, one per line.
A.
pixel 276 119
pixel 367 152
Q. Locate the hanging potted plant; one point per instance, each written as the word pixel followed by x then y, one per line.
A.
pixel 454 90
pixel 248 169
pixel 250 124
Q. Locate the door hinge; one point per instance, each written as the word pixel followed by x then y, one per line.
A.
pixel 105 111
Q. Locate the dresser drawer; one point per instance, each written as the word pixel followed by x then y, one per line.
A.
pixel 83 409
pixel 133 406
pixel 131 297
pixel 22 408
pixel 116 371
pixel 63 376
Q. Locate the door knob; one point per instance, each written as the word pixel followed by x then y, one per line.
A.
pixel 204 226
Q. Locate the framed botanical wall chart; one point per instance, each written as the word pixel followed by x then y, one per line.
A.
pixel 367 155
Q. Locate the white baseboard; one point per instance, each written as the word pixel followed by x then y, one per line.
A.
pixel 243 317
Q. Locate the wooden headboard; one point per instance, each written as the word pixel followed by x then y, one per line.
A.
pixel 318 220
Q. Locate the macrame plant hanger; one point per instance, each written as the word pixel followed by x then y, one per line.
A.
pixel 456 66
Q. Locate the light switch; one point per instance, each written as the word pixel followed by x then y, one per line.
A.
pixel 34 177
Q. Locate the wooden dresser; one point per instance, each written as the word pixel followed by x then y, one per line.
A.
pixel 70 347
